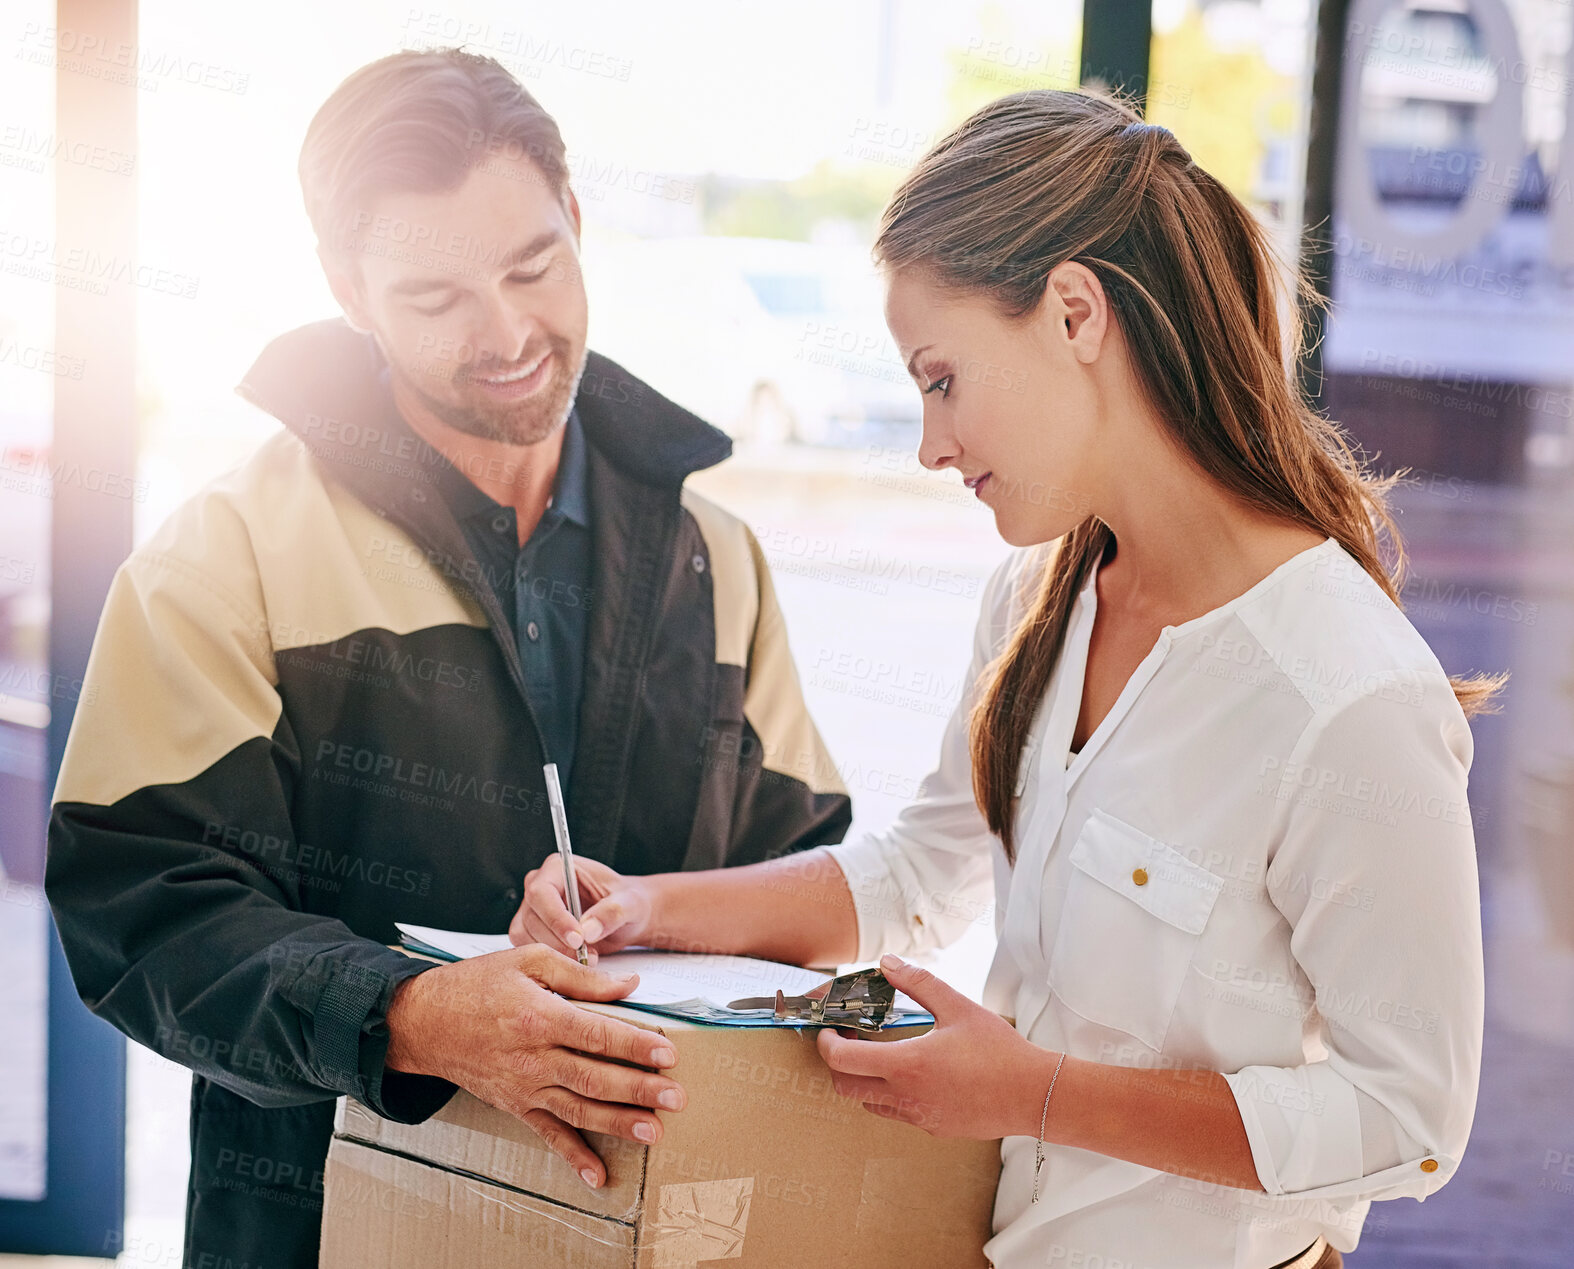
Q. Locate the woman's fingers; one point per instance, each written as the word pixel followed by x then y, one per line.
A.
pixel 535 931
pixel 877 1058
pixel 932 992
pixel 608 917
pixel 568 1145
pixel 550 914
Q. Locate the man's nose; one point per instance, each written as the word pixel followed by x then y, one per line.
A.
pixel 511 332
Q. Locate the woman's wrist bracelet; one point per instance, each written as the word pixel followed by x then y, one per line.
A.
pixel 1042 1119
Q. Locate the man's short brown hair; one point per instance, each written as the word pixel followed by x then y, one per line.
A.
pixel 417 122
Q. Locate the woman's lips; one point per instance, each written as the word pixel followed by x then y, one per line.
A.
pixel 976 483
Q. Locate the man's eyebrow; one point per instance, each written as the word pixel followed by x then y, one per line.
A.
pixel 914 357
pixel 531 249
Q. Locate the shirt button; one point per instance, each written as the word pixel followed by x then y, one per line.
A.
pixel 699 563
pixel 1140 876
pixel 500 523
pixel 533 631
pixel 417 493
pixel 1429 1165
pixel 513 894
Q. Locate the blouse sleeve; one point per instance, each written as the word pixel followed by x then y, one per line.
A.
pixel 923 881
pixel 1374 798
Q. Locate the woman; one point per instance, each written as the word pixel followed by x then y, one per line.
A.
pixel 1216 777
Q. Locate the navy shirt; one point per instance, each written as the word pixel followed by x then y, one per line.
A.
pixel 543 586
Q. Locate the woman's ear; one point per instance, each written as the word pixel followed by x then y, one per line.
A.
pixel 1078 299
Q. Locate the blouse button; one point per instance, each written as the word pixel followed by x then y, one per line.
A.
pixel 1429 1165
pixel 533 631
pixel 698 562
pixel 1140 876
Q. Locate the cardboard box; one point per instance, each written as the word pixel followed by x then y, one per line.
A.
pixel 766 1166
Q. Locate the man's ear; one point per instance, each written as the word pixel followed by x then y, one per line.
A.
pixel 345 283
pixel 571 205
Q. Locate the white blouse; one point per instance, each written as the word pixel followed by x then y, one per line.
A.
pixel 1260 863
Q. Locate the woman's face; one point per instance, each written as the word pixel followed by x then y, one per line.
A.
pixel 1012 405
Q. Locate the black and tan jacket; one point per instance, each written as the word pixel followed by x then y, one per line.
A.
pixel 304 719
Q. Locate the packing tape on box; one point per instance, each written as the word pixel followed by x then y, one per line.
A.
pixel 699 1220
pixel 540 1208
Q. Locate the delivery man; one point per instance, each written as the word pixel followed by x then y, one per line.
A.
pixel 321 695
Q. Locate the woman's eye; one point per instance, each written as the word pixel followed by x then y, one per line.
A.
pixel 945 391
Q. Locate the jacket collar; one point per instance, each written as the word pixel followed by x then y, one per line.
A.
pixel 321 381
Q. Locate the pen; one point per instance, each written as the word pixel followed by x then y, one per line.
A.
pixel 560 828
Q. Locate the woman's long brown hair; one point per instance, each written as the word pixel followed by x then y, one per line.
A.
pixel 1209 311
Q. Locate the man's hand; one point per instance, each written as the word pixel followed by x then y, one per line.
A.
pixel 617 910
pixel 493 1025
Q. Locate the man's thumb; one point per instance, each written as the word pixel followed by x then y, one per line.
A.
pixel 569 978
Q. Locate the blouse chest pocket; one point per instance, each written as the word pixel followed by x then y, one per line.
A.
pixel 1133 915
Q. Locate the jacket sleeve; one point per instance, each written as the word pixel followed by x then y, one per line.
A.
pixel 1374 796
pixel 922 882
pixel 179 761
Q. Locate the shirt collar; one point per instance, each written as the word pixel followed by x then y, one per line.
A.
pixel 571 489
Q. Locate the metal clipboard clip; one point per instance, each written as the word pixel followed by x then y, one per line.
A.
pixel 860 999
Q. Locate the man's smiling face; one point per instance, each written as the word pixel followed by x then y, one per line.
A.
pixel 476 299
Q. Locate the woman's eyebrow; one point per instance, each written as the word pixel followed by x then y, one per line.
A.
pixel 910 369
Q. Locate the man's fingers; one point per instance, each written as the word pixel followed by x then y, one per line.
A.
pixel 602 1036
pixel 566 976
pixel 608 1082
pixel 615 1121
pixel 548 905
pixel 568 1145
pixel 586 1031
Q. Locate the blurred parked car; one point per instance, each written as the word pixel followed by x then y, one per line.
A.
pixel 770 340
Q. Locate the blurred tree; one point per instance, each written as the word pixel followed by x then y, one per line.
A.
pixel 831 191
pixel 1224 105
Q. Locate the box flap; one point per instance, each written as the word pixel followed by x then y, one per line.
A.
pixel 383 1211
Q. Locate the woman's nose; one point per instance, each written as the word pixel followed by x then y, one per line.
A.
pixel 937 448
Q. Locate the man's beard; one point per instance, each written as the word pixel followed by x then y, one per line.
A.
pixel 511 422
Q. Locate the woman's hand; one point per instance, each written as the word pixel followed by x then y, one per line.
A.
pixel 971 1075
pixel 617 909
